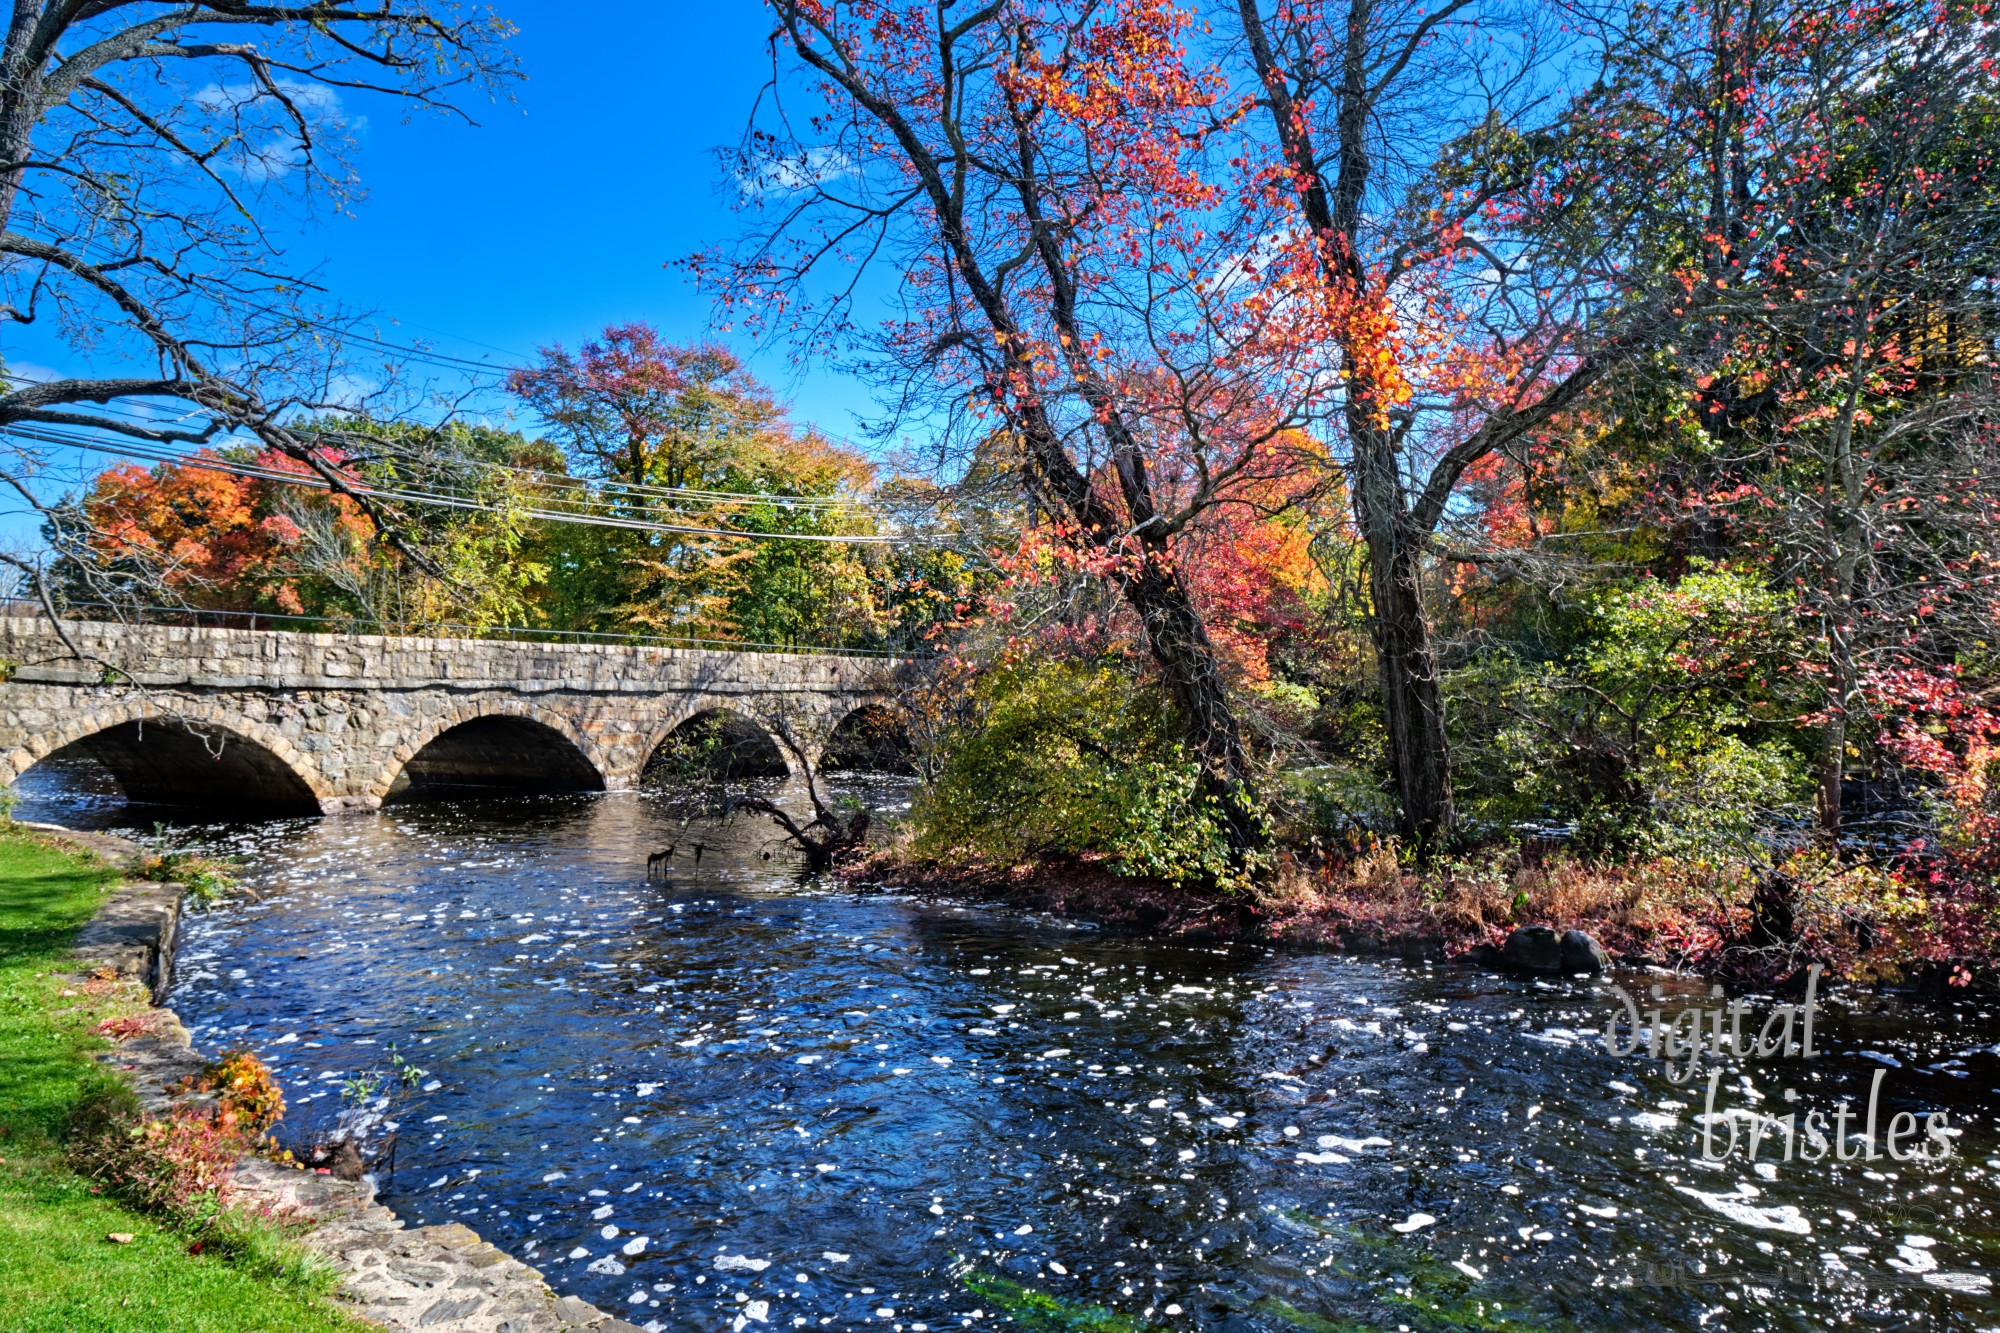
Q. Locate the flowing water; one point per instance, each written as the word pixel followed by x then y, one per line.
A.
pixel 737 1100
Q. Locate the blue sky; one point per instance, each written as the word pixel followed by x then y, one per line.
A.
pixel 557 215
pixel 554 214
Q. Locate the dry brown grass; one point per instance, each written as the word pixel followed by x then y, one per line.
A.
pixel 1655 907
pixel 1675 912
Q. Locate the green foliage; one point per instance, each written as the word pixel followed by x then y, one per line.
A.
pixel 208 879
pixel 1032 1309
pixel 1670 724
pixel 405 1070
pixel 1333 804
pixel 1067 759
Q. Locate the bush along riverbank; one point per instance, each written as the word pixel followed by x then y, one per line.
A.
pixel 141 1185
pixel 1755 924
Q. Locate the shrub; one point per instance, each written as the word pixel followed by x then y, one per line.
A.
pixel 1716 802
pixel 208 879
pixel 1335 807
pixel 1070 759
pixel 177 1167
pixel 1671 726
pixel 248 1099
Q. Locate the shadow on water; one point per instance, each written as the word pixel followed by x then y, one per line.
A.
pixel 743 1096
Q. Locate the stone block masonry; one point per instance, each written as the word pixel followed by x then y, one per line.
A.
pixel 331 722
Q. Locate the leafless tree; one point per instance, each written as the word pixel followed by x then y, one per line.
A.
pixel 147 149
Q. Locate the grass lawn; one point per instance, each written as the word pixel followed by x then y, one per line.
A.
pixel 57 1271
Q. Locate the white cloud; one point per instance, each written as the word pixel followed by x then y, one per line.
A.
pixel 270 147
pixel 793 175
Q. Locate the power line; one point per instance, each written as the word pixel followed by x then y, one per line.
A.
pixel 554 480
pixel 643 490
pixel 408 352
pixel 215 463
pixel 557 480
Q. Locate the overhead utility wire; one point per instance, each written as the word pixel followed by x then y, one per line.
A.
pixel 645 490
pixel 408 352
pixel 556 480
pixel 216 464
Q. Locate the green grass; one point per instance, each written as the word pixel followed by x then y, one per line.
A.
pixel 58 1273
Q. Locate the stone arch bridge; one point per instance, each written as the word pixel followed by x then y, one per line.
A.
pixel 270 720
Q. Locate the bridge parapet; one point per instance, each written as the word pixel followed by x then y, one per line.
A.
pixel 335 720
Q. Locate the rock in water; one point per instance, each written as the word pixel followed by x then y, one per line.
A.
pixel 1533 949
pixel 1580 953
pixel 341 1158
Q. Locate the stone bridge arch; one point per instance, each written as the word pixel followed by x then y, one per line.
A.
pixel 345 714
pixel 255 766
pixel 869 737
pixel 689 711
pixel 562 757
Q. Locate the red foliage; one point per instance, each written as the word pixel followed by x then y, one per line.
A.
pixel 1935 725
pixel 125 1026
pixel 178 1167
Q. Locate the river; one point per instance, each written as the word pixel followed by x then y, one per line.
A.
pixel 743 1100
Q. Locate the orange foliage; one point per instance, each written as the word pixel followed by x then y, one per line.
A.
pixel 1253 577
pixel 218 538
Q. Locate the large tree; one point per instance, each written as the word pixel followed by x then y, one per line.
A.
pixel 1076 266
pixel 1845 389
pixel 684 445
pixel 1478 270
pixel 145 150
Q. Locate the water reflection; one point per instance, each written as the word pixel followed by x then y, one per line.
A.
pixel 738 1099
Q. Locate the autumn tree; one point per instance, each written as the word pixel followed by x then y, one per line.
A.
pixel 1845 389
pixel 209 535
pixel 1075 267
pixel 239 528
pixel 1477 268
pixel 707 476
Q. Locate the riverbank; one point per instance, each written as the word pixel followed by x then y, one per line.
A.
pixel 1659 912
pixel 83 956
pixel 590 1040
pixel 60 1269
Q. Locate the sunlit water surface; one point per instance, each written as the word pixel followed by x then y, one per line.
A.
pixel 736 1100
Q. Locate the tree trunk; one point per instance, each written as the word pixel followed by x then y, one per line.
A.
pixel 1412 704
pixel 1181 647
pixel 1842 518
pixel 1832 772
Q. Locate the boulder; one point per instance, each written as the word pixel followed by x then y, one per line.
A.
pixel 1581 953
pixel 1481 955
pixel 1533 949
